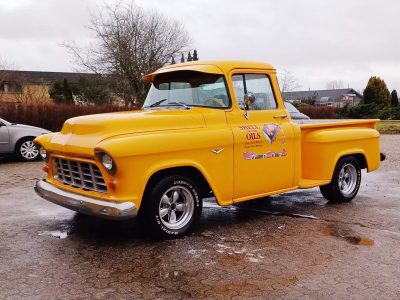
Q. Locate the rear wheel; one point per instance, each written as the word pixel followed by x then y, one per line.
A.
pixel 26 150
pixel 345 181
pixel 171 207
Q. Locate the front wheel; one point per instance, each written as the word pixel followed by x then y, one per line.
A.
pixel 171 207
pixel 345 181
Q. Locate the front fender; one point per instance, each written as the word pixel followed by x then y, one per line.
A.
pixel 139 156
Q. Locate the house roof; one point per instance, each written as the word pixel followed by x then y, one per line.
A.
pixel 41 77
pixel 336 95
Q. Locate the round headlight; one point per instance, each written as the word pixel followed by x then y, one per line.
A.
pixel 107 161
pixel 43 152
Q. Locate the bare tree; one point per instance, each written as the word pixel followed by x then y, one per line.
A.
pixel 5 66
pixel 129 42
pixel 334 85
pixel 288 82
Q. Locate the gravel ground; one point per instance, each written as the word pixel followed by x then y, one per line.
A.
pixel 294 246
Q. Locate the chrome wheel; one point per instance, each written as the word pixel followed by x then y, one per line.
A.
pixel 176 207
pixel 347 180
pixel 28 150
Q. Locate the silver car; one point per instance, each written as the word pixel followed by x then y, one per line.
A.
pixel 18 139
pixel 295 114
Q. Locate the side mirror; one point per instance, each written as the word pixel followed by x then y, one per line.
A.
pixel 249 98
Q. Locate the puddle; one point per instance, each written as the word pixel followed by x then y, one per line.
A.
pixel 348 236
pixel 210 203
pixel 57 234
pixel 278 213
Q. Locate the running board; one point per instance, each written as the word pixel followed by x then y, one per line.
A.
pixel 310 183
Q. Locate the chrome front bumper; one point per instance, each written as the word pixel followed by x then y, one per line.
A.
pixel 86 205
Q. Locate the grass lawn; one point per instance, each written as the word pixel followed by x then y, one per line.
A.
pixel 389 127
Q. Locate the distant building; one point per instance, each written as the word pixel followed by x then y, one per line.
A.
pixel 26 86
pixel 336 98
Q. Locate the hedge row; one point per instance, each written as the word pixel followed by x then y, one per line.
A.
pixel 48 115
pixel 318 112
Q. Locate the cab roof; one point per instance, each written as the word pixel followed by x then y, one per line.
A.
pixel 214 67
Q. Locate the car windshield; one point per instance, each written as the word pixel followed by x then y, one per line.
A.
pixel 4 122
pixel 291 108
pixel 188 88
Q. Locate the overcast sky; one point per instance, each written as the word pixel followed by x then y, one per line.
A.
pixel 318 41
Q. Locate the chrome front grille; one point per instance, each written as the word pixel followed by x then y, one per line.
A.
pixel 79 174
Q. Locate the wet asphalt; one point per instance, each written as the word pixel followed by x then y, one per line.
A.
pixel 289 246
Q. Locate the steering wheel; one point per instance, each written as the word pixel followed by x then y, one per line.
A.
pixel 214 102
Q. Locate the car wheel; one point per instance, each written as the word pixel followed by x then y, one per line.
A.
pixel 171 207
pixel 345 181
pixel 26 150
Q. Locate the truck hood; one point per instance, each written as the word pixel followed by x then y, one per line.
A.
pixel 82 134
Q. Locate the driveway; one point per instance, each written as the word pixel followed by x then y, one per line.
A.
pixel 289 246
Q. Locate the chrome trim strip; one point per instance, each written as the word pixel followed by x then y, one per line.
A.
pixel 217 151
pixel 86 205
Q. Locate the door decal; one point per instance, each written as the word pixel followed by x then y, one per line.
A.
pixel 271 132
pixel 248 155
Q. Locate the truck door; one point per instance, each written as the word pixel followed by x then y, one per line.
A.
pixel 263 140
pixel 4 138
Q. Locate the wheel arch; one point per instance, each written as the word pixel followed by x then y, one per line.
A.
pixel 187 171
pixel 19 140
pixel 359 155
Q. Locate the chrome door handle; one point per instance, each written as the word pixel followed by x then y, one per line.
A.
pixel 280 117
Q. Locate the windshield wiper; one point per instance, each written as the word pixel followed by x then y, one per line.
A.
pixel 173 103
pixel 157 103
pixel 181 104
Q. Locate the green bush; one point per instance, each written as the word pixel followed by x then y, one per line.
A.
pixel 369 111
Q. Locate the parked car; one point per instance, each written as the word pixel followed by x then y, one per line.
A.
pixel 200 132
pixel 17 139
pixel 295 114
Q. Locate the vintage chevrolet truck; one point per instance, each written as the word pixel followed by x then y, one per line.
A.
pixel 206 128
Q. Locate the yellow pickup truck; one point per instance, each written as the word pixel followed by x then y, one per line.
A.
pixel 206 128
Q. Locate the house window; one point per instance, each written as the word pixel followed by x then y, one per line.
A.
pixel 11 87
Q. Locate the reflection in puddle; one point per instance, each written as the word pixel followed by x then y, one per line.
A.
pixel 347 235
pixel 256 207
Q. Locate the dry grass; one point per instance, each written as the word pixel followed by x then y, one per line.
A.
pixel 389 126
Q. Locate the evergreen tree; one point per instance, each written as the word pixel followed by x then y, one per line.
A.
pixel 394 98
pixel 56 92
pixel 195 56
pixel 182 58
pixel 376 92
pixel 67 92
pixel 173 61
pixel 62 92
pixel 189 57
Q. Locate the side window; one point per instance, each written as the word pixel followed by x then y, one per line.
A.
pixel 257 84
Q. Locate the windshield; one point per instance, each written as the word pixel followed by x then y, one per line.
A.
pixel 291 108
pixel 188 88
pixel 4 122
